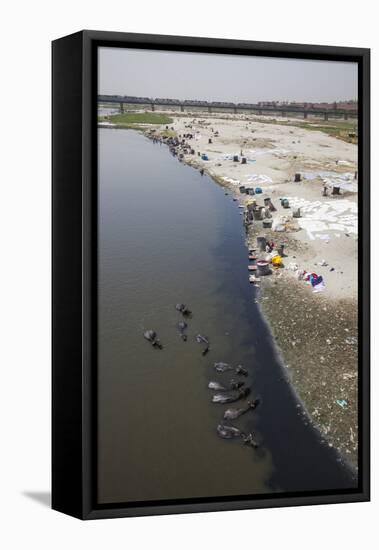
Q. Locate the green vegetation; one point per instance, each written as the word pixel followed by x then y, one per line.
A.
pixel 139 118
pixel 347 131
pixel 335 128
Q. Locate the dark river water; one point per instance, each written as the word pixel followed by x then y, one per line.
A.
pixel 169 235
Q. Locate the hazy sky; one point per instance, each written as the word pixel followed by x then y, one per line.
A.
pixel 150 73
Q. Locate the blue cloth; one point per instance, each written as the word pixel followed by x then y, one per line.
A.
pixel 316 280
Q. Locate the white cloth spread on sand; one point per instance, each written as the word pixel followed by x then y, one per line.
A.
pixel 334 217
pixel 259 178
pixel 344 181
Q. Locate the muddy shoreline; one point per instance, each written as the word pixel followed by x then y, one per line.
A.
pixel 321 361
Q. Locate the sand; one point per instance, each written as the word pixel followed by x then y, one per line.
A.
pixel 316 332
pixel 278 152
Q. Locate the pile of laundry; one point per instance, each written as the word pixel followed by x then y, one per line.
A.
pixel 315 281
pixel 274 254
pixel 285 223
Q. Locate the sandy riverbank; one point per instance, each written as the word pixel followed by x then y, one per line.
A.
pixel 316 332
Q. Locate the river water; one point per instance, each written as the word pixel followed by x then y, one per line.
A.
pixel 169 235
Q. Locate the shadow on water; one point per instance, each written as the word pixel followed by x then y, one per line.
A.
pixel 168 235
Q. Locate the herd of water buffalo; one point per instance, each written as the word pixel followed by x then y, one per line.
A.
pixel 233 391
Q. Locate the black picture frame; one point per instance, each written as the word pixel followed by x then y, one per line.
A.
pixel 74 294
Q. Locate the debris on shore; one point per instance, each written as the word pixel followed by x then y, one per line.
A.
pixel 318 343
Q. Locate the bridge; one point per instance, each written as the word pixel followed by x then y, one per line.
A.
pixel 214 106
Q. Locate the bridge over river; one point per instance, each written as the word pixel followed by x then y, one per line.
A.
pixel 215 106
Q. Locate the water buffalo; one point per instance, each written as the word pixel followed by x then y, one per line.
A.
pixel 203 340
pixel 216 386
pixel 241 370
pixel 236 384
pixel 183 309
pixel 249 440
pixel 230 397
pixel 232 414
pixel 182 327
pixel 224 367
pixel 228 432
pixel 205 351
pixel 151 336
pixel 233 385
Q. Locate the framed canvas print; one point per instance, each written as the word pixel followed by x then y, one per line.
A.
pixel 210 274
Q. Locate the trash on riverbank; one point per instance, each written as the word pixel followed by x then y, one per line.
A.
pixel 321 372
